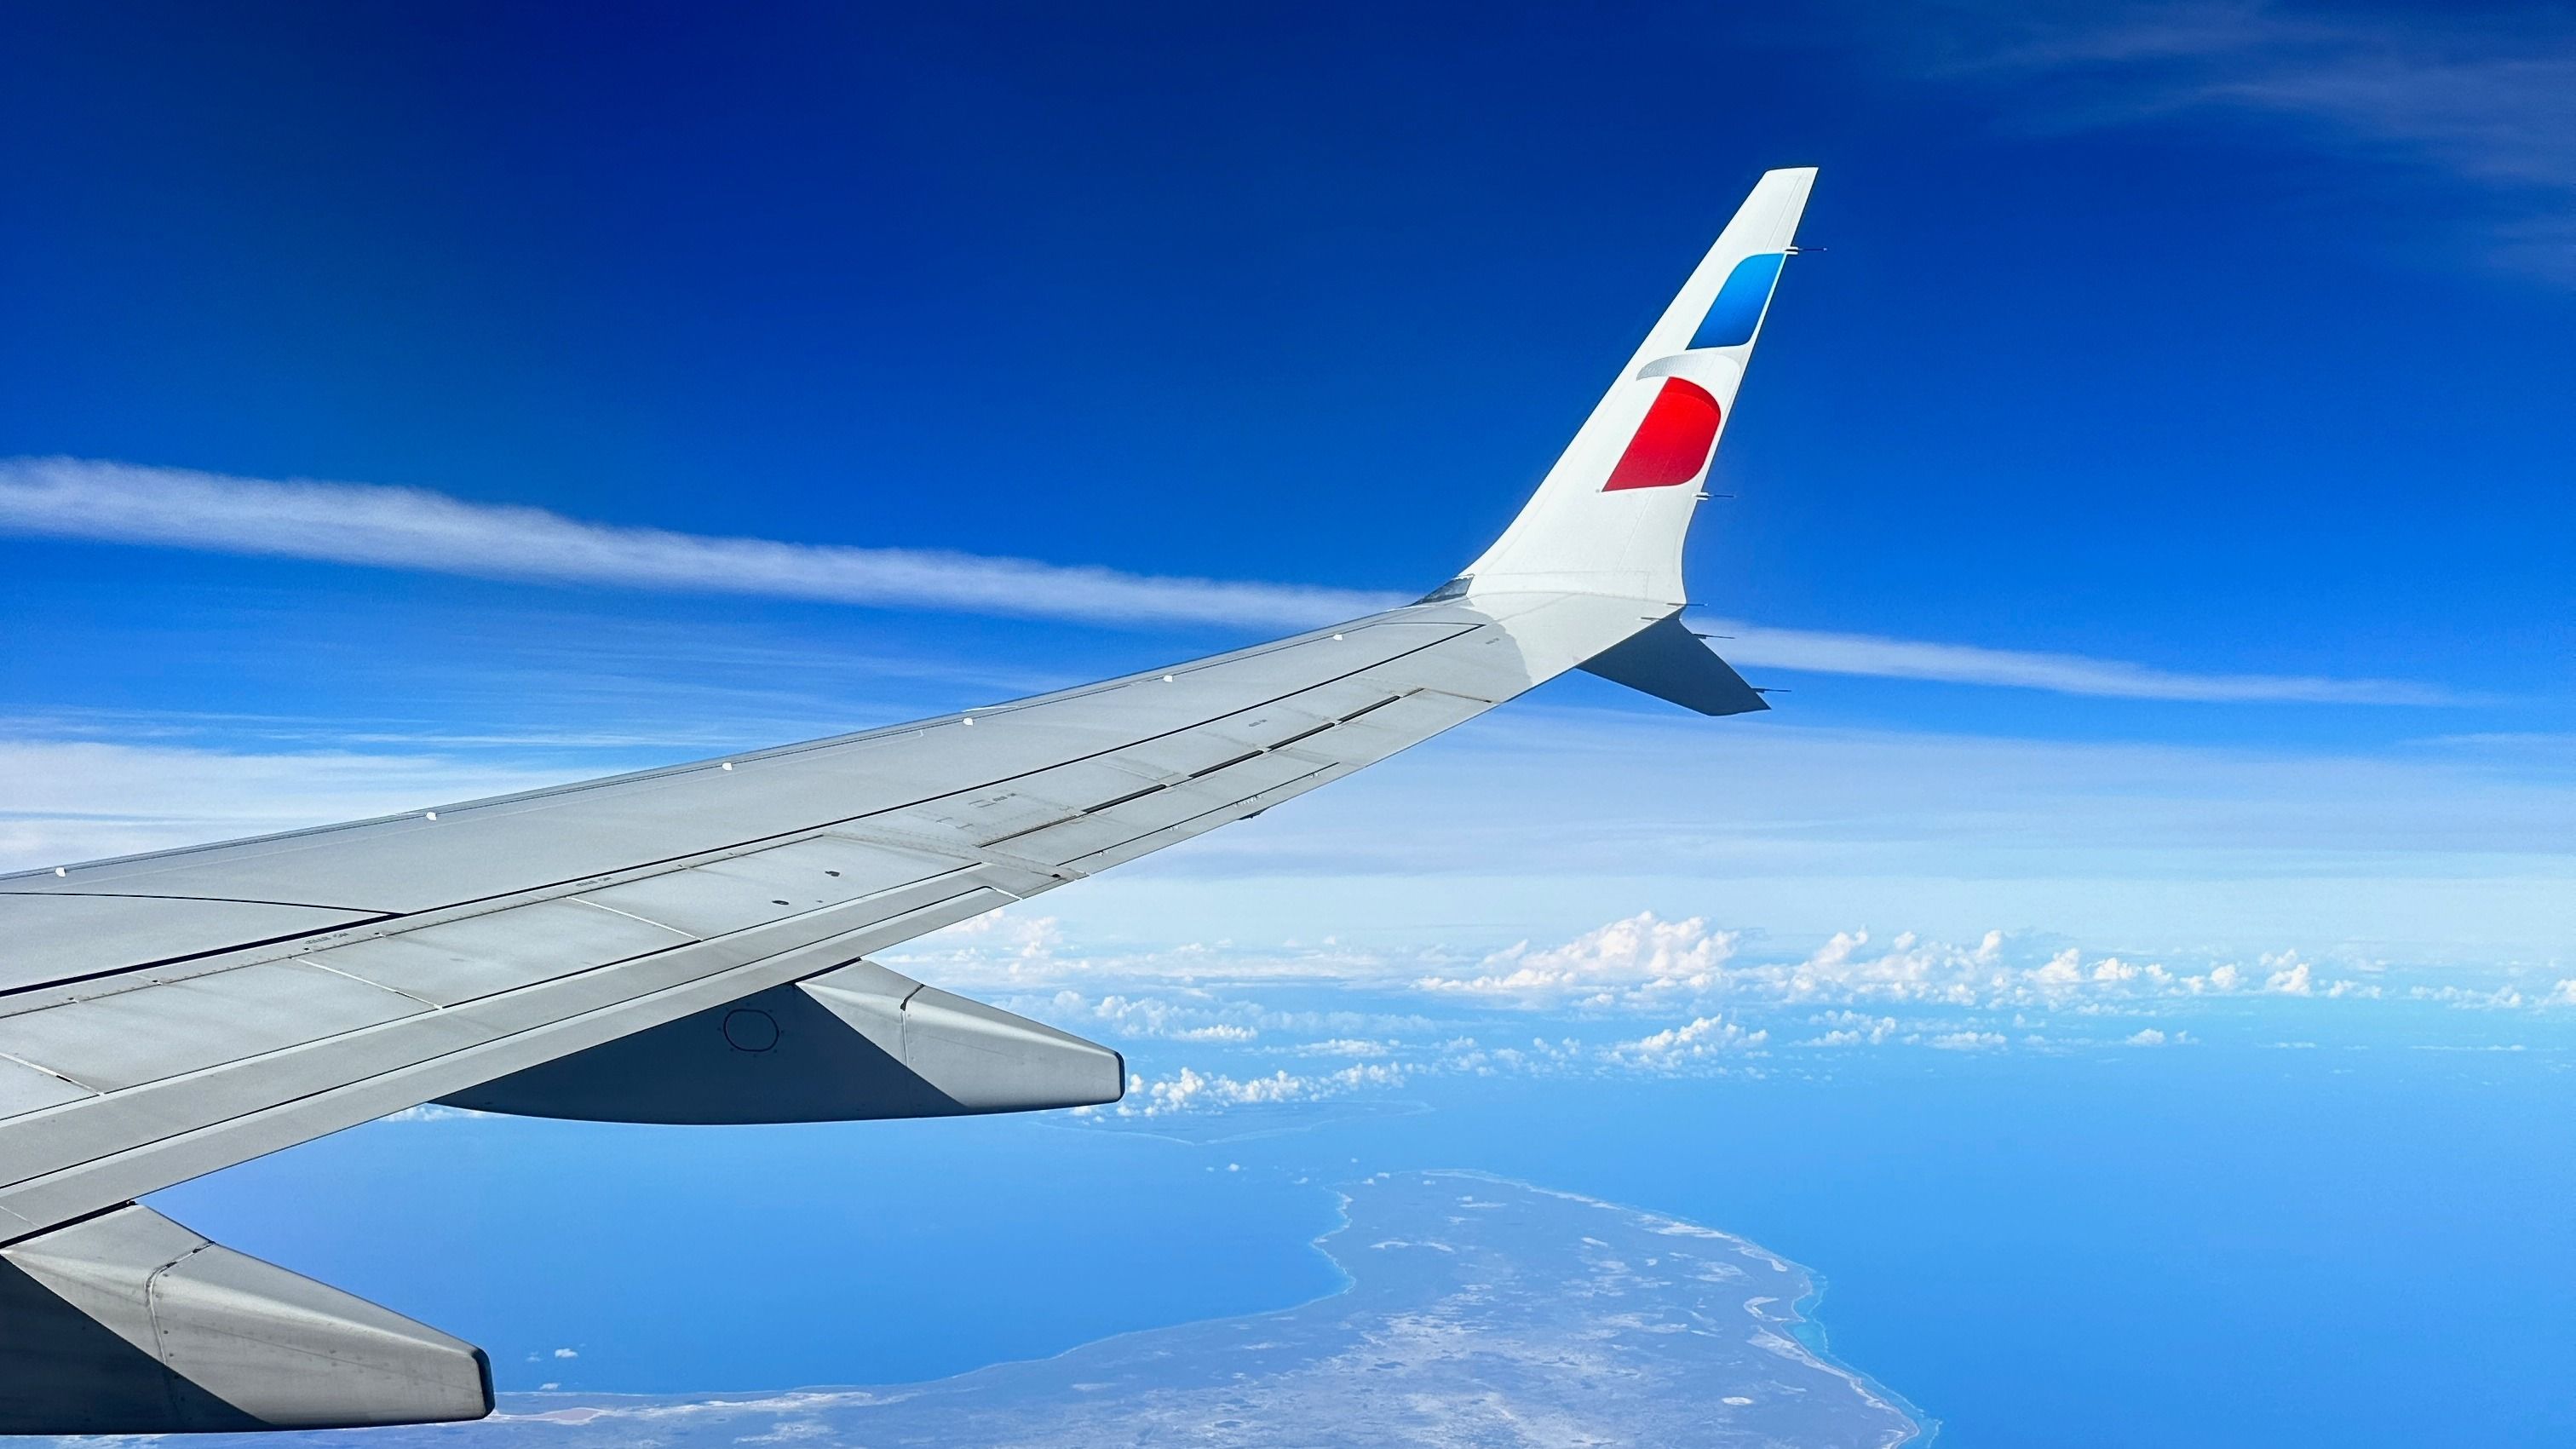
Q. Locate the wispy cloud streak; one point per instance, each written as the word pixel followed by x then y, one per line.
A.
pixel 1821 652
pixel 2490 101
pixel 410 528
pixel 413 528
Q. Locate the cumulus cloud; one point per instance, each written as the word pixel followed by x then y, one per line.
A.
pixel 1858 989
pixel 1200 1020
pixel 1850 1029
pixel 1190 1090
pixel 2146 1037
pixel 1541 1057
pixel 999 947
pixel 2501 998
pixel 1695 1040
pixel 1966 1041
pixel 1624 961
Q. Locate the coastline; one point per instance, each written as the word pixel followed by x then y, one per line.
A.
pixel 1470 1303
pixel 1799 1316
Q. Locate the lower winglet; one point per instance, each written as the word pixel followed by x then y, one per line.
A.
pixel 1668 661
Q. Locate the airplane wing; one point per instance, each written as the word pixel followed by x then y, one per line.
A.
pixel 689 944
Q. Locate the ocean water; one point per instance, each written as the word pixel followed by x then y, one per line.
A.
pixel 671 1259
pixel 2215 1245
pixel 2254 1247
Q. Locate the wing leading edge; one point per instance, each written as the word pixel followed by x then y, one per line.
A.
pixel 688 944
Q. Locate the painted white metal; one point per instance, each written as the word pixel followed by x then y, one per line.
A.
pixel 1574 537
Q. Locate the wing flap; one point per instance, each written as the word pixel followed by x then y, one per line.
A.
pixel 177 1027
pixel 457 961
pixel 742 891
pixel 24 1088
pixel 56 937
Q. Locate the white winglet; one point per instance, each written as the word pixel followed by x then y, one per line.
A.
pixel 1610 517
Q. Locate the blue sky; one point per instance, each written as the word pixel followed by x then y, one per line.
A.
pixel 2154 501
pixel 2199 364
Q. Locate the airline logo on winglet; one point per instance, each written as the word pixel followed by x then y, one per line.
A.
pixel 1672 444
pixel 1737 311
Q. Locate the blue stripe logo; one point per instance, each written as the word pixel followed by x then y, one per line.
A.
pixel 1738 308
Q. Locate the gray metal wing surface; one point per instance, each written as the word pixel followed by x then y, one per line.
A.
pixel 396 961
pixel 683 944
pixel 688 944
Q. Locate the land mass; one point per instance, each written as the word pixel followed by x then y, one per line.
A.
pixel 1478 1312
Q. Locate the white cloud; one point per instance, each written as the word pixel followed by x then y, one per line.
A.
pixel 76 800
pixel 1189 1090
pixel 2502 998
pixel 1541 1057
pixel 1966 1041
pixel 1343 1046
pixel 1851 1028
pixel 2146 1037
pixel 413 528
pixel 1001 947
pixel 1821 652
pixel 2290 976
pixel 2485 101
pixel 432 1112
pixel 567 1353
pixel 1625 961
pixel 1696 1040
pixel 1201 1020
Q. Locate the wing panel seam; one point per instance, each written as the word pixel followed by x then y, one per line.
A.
pixel 567 885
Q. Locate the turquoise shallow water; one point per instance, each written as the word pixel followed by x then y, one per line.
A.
pixel 2227 1246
